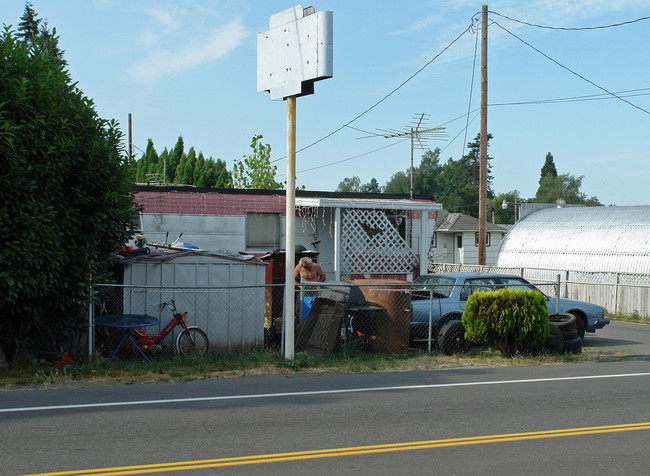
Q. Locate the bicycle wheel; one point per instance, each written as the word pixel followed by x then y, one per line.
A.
pixel 192 341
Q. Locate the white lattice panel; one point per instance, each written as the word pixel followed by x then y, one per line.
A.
pixel 371 244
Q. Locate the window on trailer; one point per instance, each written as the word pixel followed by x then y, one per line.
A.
pixel 262 231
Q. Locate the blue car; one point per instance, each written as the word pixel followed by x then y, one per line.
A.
pixel 451 290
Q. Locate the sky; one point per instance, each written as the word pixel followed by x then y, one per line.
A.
pixel 189 68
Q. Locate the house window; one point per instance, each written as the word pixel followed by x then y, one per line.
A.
pixel 263 231
pixel 487 239
pixel 434 240
pixel 459 241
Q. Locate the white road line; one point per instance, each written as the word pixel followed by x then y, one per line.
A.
pixel 317 392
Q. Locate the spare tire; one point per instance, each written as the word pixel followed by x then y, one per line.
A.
pixel 574 346
pixel 555 340
pixel 570 335
pixel 564 320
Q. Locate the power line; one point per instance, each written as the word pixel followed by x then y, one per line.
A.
pixel 569 69
pixel 591 97
pixel 348 159
pixel 471 91
pixel 613 25
pixel 385 97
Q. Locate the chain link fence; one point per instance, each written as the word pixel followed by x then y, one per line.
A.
pixel 618 293
pixel 372 315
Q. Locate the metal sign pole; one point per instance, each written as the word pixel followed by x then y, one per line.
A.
pixel 292 54
pixel 290 256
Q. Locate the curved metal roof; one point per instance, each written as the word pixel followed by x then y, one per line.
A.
pixel 604 239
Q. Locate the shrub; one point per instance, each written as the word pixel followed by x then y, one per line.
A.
pixel 509 320
pixel 65 195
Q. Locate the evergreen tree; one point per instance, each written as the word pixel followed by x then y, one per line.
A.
pixel 198 176
pixel 371 187
pixel 548 169
pixel 35 33
pixel 564 186
pixel 472 162
pixel 553 186
pixel 426 177
pixel 185 169
pixel 147 162
pixel 29 26
pixel 173 159
pixel 223 178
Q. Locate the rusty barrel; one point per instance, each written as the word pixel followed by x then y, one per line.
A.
pixel 390 329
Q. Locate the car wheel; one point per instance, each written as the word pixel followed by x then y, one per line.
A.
pixel 451 339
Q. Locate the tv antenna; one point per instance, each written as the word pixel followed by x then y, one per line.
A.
pixel 417 132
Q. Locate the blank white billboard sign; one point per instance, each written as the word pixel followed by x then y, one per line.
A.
pixel 294 52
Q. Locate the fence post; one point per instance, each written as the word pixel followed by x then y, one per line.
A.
pixel 566 284
pixel 430 319
pixel 616 293
pixel 91 329
pixel 557 294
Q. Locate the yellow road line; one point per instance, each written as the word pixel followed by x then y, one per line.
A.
pixel 354 450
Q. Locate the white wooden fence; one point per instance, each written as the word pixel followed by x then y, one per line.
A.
pixel 618 293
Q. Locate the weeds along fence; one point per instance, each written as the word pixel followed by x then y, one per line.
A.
pixel 618 293
pixel 370 315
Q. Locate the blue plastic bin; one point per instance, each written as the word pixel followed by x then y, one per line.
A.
pixel 307 301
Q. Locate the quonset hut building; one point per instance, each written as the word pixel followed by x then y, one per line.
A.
pixel 602 254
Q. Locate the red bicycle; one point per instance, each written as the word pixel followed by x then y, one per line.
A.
pixel 191 341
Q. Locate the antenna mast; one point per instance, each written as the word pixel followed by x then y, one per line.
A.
pixel 417 131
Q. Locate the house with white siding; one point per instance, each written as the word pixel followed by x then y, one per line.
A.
pixel 455 239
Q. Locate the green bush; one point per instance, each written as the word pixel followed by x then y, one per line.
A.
pixel 509 320
pixel 65 196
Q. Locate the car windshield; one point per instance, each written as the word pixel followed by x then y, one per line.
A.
pixel 439 284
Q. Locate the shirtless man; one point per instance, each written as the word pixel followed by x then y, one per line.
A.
pixel 308 270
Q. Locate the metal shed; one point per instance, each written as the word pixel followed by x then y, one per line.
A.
pixel 223 293
pixel 593 239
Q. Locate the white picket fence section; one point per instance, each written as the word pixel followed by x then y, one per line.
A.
pixel 618 293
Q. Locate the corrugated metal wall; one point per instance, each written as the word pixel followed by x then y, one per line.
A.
pixel 224 297
pixel 596 239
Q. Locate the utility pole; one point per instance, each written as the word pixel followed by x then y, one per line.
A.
pixel 130 139
pixel 482 207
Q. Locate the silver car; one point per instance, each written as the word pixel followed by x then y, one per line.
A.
pixel 451 290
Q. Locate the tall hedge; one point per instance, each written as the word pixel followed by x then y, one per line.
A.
pixel 509 320
pixel 65 189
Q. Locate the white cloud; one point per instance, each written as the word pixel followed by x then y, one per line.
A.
pixel 419 25
pixel 170 19
pixel 164 62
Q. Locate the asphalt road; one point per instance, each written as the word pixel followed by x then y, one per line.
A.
pixel 619 338
pixel 555 419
